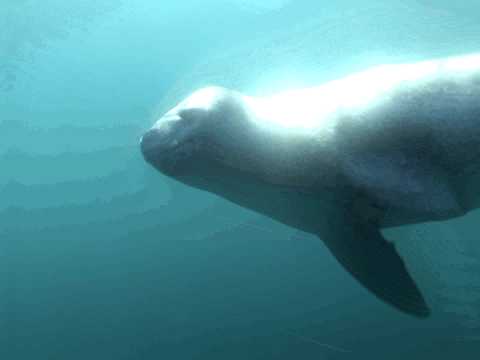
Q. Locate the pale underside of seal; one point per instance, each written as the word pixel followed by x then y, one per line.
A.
pixel 393 145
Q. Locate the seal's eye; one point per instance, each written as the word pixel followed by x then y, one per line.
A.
pixel 192 114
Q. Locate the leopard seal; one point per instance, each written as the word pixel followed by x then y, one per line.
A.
pixel 392 145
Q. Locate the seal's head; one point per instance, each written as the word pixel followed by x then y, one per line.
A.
pixel 198 136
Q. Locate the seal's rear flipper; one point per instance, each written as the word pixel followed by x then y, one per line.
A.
pixel 361 249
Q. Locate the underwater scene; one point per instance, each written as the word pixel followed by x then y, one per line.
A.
pixel 190 179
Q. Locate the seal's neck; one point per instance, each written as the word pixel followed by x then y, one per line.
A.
pixel 282 154
pixel 296 206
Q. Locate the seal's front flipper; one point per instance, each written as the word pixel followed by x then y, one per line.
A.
pixel 361 249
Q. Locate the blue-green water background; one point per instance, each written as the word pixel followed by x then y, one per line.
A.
pixel 101 257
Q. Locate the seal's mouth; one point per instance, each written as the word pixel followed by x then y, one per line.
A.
pixel 151 145
pixel 169 156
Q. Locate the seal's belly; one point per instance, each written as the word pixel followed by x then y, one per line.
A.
pixel 415 154
pixel 406 187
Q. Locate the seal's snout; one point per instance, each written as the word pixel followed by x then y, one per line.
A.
pixel 150 144
pixel 161 149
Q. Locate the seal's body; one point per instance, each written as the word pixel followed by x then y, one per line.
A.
pixel 393 145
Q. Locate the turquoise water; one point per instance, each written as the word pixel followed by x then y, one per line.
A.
pixel 101 257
